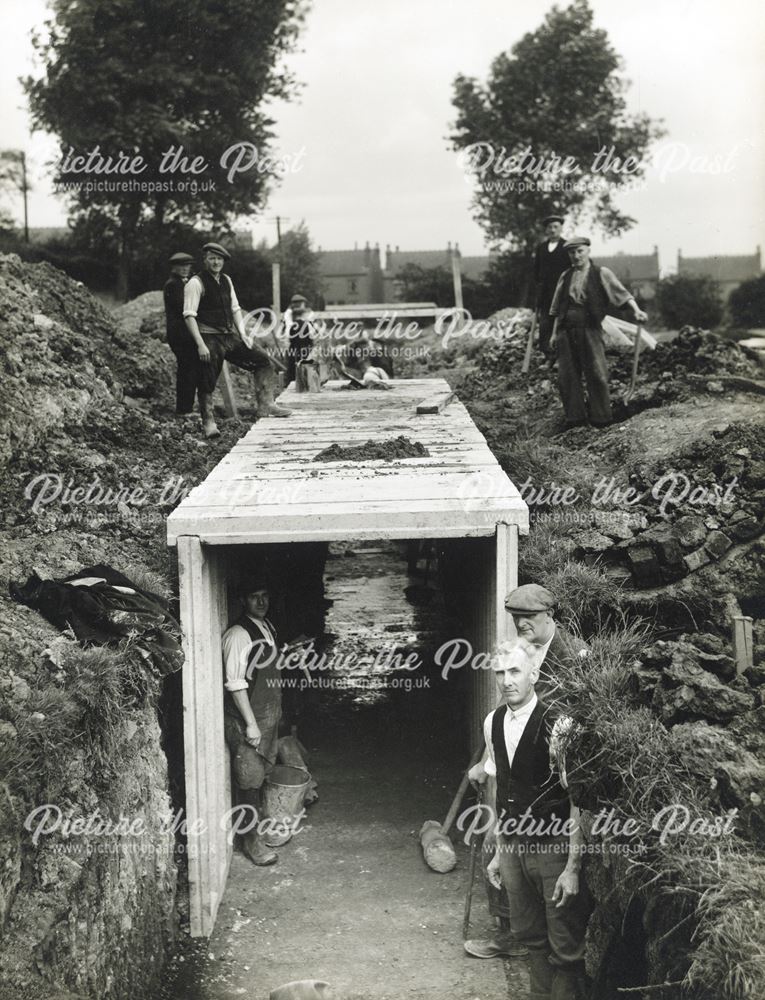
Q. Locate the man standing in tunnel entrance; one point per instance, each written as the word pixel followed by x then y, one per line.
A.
pixel 538 854
pixel 253 707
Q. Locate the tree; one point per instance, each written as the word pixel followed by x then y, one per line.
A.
pixel 159 108
pixel 548 130
pixel 684 299
pixel 300 268
pixel 747 303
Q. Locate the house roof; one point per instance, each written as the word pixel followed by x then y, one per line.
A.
pixel 344 262
pixel 630 267
pixel 731 268
pixel 396 260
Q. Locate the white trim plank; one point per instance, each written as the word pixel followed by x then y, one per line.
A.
pixel 206 765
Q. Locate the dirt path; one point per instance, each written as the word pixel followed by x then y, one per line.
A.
pixel 351 900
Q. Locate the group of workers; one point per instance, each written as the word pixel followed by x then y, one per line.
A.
pixel 573 295
pixel 533 874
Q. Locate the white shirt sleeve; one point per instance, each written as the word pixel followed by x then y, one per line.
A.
pixel 192 293
pixel 236 648
pixel 235 307
pixel 490 767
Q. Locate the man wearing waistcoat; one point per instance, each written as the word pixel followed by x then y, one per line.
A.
pixel 579 306
pixel 253 707
pixel 179 339
pixel 539 838
pixel 214 319
pixel 550 261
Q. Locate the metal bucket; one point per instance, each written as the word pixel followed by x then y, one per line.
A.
pixel 284 790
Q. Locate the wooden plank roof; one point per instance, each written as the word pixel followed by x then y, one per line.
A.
pixel 270 489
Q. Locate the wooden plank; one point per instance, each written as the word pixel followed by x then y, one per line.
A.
pixel 435 404
pixel 219 622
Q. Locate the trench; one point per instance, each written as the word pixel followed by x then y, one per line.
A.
pixel 351 900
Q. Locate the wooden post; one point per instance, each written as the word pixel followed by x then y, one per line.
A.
pixel 743 651
pixel 206 759
pixel 276 290
pixel 507 578
pixel 457 279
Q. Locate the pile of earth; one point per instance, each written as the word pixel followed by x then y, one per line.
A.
pixel 93 459
pixel 386 451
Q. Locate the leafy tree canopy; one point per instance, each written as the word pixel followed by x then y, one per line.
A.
pixel 548 129
pixel 685 299
pixel 171 83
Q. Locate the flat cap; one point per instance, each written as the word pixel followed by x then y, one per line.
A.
pixel 530 597
pixel 216 248
pixel 181 258
pixel 297 299
pixel 552 218
pixel 576 241
pixel 256 580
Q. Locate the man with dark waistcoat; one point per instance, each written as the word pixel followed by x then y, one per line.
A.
pixel 214 319
pixel 539 838
pixel 579 306
pixel 179 339
pixel 550 261
pixel 253 707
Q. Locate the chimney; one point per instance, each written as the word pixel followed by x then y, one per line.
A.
pixel 367 254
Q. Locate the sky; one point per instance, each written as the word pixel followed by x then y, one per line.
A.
pixel 367 137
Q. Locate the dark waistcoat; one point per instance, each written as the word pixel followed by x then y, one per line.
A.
pixel 595 299
pixel 529 784
pixel 215 307
pixel 262 682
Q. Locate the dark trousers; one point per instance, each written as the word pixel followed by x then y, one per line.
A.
pixel 229 347
pixel 300 347
pixel 582 355
pixel 554 935
pixel 187 369
pixel 546 322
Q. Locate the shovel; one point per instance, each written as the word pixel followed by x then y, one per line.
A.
pixel 529 345
pixel 635 362
pixel 475 847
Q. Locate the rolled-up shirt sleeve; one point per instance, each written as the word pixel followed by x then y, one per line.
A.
pixel 236 648
pixel 614 289
pixel 192 293
pixel 490 766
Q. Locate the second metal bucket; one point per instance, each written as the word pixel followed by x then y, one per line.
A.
pixel 284 790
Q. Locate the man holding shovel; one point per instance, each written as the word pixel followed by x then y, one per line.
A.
pixel 580 303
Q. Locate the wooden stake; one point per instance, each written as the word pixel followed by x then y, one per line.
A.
pixel 742 643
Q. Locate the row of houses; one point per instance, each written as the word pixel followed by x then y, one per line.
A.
pixel 360 275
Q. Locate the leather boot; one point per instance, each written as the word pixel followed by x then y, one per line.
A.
pixel 257 850
pixel 540 975
pixel 209 427
pixel 264 395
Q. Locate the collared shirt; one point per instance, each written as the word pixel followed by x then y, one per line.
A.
pixel 237 645
pixel 514 724
pixel 192 293
pixel 614 289
pixel 540 652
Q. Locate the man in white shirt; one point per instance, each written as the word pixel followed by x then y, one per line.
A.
pixel 538 852
pixel 214 319
pixel 253 706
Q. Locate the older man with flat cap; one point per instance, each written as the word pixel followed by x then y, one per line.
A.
pixel 179 339
pixel 579 306
pixel 214 319
pixel 550 261
pixel 533 609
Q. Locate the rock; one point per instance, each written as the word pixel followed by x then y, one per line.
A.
pixel 715 387
pixel 644 566
pixel 756 675
pixel 643 681
pixel 706 641
pixel 719 664
pixel 695 560
pixel 717 544
pixel 746 529
pixel 690 531
pixel 687 691
pixel 612 523
pixel 20 690
pixel 591 541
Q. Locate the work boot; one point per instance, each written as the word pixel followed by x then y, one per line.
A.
pixel 540 975
pixel 209 427
pixel 257 851
pixel 505 947
pixel 264 395
pixel 568 984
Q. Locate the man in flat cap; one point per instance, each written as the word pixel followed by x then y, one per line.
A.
pixel 550 261
pixel 533 610
pixel 214 319
pixel 300 334
pixel 179 339
pixel 579 306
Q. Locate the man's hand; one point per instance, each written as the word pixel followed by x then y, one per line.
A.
pixel 204 352
pixel 640 316
pixel 252 735
pixel 476 775
pixel 566 887
pixel 492 872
